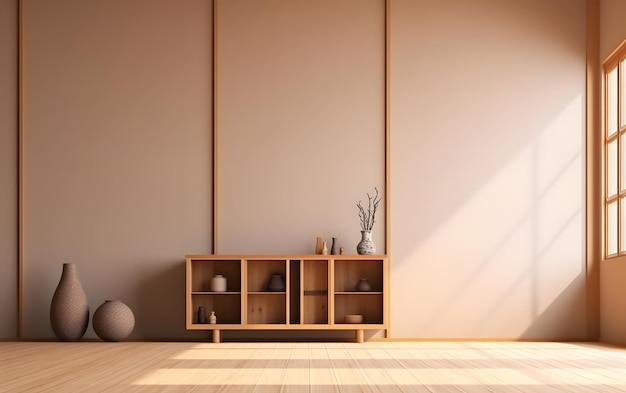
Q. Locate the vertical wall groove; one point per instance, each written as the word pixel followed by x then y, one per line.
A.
pixel 20 207
pixel 387 149
pixel 593 168
pixel 214 132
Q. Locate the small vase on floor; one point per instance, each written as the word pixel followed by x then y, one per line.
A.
pixel 366 246
pixel 69 310
pixel 113 321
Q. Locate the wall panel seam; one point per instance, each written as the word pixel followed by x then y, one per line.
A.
pixel 214 131
pixel 387 147
pixel 593 236
pixel 20 199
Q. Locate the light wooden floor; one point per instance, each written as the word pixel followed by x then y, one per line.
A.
pixel 311 367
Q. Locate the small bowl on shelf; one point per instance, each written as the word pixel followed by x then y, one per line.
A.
pixel 354 318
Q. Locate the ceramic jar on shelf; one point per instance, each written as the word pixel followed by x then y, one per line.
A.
pixel 218 283
pixel 363 285
pixel 276 284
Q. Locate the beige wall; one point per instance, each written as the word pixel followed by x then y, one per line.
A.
pixel 612 300
pixel 612 273
pixel 117 153
pixel 487 178
pixel 612 26
pixel 486 126
pixel 8 168
pixel 300 122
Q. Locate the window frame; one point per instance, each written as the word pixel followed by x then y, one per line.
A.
pixel 616 61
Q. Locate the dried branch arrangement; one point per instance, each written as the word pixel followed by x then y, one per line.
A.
pixel 368 217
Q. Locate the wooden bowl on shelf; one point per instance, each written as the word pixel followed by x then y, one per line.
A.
pixel 354 318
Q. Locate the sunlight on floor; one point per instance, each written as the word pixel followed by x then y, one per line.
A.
pixel 400 364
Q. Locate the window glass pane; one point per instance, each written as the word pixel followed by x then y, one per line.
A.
pixel 622 159
pixel 622 93
pixel 611 102
pixel 611 228
pixel 611 169
pixel 622 225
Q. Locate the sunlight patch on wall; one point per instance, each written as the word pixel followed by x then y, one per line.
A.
pixel 512 249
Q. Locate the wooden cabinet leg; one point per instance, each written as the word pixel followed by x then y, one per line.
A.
pixel 360 336
pixel 217 335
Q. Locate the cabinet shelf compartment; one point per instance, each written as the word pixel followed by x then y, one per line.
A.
pixel 227 307
pixel 370 305
pixel 294 292
pixel 260 271
pixel 315 291
pixel 359 293
pixel 266 308
pixel 202 271
pixel 348 273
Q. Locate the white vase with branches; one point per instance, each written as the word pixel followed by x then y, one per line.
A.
pixel 368 217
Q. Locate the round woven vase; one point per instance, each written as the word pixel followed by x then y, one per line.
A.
pixel 69 311
pixel 113 321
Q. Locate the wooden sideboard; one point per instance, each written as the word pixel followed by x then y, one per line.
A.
pixel 318 292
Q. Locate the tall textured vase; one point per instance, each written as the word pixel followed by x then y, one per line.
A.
pixel 69 310
pixel 366 246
